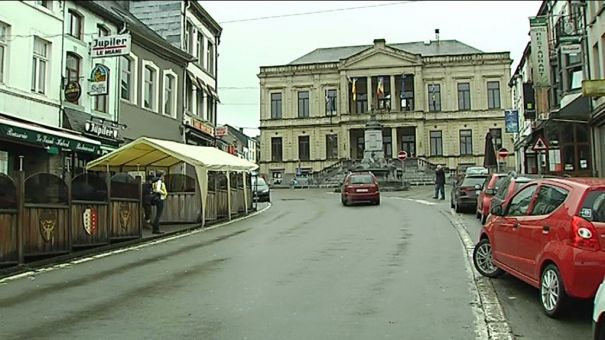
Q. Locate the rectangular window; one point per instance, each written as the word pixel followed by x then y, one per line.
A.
pixel 496 138
pixel 276 112
pixel 276 149
pixel 210 58
pixel 596 61
pixel 3 48
pixel 200 49
pixel 188 37
pixel 331 146
pixel 303 104
pixel 149 88
pixel 74 20
pixel 464 96
pixel 330 102
pixel 466 142
pixel 361 103
pixel 126 78
pixel 493 95
pixel 169 95
pixel 436 143
pixel 102 31
pixel 44 3
pixel 303 148
pixel 434 95
pixel 40 61
pixel 200 103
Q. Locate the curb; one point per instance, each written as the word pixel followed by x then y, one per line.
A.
pixel 56 262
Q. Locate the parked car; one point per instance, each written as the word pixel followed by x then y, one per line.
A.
pixel 550 234
pixel 598 314
pixel 360 187
pixel 260 189
pixel 476 170
pixel 464 193
pixel 492 184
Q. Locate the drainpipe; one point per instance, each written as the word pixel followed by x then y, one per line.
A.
pixel 61 108
pixel 588 77
pixel 217 41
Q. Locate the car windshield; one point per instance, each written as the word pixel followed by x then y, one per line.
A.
pixel 472 181
pixel 361 179
pixel 260 182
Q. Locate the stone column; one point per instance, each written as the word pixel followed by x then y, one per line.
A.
pixel 394 98
pixel 394 141
pixel 342 106
pixel 369 89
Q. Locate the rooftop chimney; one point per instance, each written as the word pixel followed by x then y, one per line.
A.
pixel 379 43
pixel 437 35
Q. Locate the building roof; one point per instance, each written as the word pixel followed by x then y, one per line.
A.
pixel 113 11
pixel 425 49
pixel 238 134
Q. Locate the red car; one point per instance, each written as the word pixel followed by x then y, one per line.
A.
pixel 550 234
pixel 485 196
pixel 360 187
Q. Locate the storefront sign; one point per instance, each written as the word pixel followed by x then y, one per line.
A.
pixel 34 137
pixel 593 88
pixel 100 129
pixel 511 120
pixel 221 131
pixel 571 48
pixel 111 46
pixel 99 81
pixel 203 126
pixel 539 48
pixel 73 90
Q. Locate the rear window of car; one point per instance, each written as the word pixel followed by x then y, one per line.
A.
pixel 361 179
pixel 472 181
pixel 499 181
pixel 593 208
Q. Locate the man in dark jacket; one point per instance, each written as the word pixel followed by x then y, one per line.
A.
pixel 147 198
pixel 439 182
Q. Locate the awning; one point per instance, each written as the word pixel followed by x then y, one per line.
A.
pixel 573 108
pixel 77 121
pixel 213 93
pixel 197 82
pixel 37 135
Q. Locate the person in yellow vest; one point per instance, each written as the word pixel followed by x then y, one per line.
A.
pixel 159 189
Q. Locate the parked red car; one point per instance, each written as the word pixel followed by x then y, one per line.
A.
pixel 485 196
pixel 360 187
pixel 550 234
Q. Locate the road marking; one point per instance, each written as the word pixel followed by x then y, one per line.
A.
pixel 123 250
pixel 490 321
pixel 414 200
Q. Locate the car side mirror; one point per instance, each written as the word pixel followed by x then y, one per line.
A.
pixel 490 191
pixel 497 210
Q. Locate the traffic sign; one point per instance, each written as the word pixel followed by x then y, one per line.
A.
pixel 402 155
pixel 540 145
pixel 503 153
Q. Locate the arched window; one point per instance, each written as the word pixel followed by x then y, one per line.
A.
pixel 72 67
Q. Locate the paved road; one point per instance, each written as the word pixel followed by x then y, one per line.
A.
pixel 307 268
pixel 521 304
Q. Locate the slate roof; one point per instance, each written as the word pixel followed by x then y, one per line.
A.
pixel 334 54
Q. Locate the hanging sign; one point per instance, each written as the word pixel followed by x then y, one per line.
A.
pixel 511 120
pixel 99 81
pixel 110 46
pixel 73 90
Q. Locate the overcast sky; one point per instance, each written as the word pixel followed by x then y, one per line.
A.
pixel 491 26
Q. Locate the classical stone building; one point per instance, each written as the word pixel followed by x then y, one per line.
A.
pixel 436 100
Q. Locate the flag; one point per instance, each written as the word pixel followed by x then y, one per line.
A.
pixel 380 88
pixel 354 89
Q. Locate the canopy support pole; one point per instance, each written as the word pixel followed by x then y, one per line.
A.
pixel 229 193
pixel 245 192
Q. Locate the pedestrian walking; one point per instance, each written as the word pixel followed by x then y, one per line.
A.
pixel 148 198
pixel 159 188
pixel 439 182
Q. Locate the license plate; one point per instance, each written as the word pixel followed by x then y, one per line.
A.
pixel 362 190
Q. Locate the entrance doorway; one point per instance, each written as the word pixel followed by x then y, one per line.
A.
pixel 408 141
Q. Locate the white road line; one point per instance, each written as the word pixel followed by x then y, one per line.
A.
pixel 122 250
pixel 490 321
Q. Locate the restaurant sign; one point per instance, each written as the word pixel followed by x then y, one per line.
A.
pixel 35 137
pixel 202 126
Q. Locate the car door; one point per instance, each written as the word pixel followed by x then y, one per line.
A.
pixel 505 243
pixel 537 228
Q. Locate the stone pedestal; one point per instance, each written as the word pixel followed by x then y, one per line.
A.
pixel 373 155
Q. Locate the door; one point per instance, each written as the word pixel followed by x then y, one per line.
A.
pixel 506 228
pixel 539 228
pixel 408 144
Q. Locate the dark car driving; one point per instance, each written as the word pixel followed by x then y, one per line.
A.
pixel 261 190
pixel 465 191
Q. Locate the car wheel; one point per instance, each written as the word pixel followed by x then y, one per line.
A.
pixel 600 332
pixel 553 297
pixel 483 219
pixel 344 202
pixel 457 207
pixel 451 202
pixel 377 202
pixel 478 215
pixel 483 259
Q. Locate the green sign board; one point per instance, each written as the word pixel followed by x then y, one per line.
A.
pixel 538 21
pixel 40 138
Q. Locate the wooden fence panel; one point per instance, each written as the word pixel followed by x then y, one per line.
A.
pixel 89 224
pixel 125 219
pixel 234 202
pixel 45 230
pixel 241 202
pixel 222 203
pixel 211 207
pixel 181 207
pixel 8 237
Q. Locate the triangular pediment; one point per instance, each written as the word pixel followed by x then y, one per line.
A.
pixel 377 57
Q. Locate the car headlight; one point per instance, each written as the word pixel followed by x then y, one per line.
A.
pixel 265 191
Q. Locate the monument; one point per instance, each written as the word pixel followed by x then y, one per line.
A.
pixel 373 154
